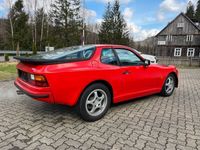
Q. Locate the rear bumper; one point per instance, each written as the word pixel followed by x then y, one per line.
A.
pixel 38 93
pixel 31 95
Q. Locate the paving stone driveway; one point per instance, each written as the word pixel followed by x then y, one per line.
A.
pixel 148 123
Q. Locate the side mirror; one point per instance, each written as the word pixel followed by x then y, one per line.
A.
pixel 147 62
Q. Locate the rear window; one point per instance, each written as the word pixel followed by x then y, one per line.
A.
pixel 69 53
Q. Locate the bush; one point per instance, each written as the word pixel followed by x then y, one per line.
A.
pixel 27 55
pixel 6 57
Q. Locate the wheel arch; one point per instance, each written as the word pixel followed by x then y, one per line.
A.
pixel 176 78
pixel 106 83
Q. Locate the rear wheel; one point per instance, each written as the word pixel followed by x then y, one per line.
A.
pixel 169 86
pixel 94 102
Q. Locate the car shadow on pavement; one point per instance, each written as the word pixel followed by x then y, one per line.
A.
pixel 59 113
pixel 55 111
pixel 135 101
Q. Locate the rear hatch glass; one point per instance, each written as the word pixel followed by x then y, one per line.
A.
pixel 69 54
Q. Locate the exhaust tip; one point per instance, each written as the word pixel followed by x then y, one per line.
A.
pixel 19 92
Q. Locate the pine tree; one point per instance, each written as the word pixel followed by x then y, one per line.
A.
pixel 106 29
pixel 113 29
pixel 120 32
pixel 67 22
pixel 190 10
pixel 20 25
pixel 197 13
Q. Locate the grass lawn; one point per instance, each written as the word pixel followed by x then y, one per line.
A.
pixel 8 71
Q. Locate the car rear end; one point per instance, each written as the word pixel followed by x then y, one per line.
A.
pixel 42 76
pixel 32 81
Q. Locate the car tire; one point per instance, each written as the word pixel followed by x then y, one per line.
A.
pixel 94 102
pixel 169 86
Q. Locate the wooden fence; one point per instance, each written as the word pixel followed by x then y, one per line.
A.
pixel 180 61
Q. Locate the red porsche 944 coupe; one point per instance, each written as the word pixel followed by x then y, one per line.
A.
pixel 92 77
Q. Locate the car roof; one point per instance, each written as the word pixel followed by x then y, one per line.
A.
pixel 108 45
pixel 112 45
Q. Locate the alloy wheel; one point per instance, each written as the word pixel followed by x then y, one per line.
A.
pixel 96 102
pixel 169 85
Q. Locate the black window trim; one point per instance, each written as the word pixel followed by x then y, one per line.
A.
pixel 115 55
pixel 142 60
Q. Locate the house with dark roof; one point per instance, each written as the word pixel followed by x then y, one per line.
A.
pixel 180 38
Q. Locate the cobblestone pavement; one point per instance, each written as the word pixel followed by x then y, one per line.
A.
pixel 148 123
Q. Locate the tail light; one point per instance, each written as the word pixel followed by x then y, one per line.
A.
pixel 38 80
pixel 33 79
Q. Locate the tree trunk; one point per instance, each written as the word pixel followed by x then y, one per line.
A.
pixel 48 26
pixel 11 25
pixel 48 34
pixel 42 28
pixel 17 50
pixel 12 33
pixel 35 44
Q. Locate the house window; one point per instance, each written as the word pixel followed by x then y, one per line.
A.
pixel 169 38
pixel 177 51
pixel 161 42
pixel 190 52
pixel 180 25
pixel 189 38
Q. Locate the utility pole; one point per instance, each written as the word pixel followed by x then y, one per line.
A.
pixel 83 35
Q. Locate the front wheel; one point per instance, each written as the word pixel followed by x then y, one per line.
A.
pixel 169 86
pixel 94 102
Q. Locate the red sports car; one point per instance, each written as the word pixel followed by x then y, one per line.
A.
pixel 92 77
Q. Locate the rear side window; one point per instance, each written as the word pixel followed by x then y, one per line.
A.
pixel 108 57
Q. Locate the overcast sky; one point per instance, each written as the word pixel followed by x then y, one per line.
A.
pixel 144 17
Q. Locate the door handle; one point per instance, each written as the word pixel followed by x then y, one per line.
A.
pixel 126 72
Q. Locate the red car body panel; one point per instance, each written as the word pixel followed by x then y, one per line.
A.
pixel 68 80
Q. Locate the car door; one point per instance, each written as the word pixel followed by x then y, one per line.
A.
pixel 111 72
pixel 138 80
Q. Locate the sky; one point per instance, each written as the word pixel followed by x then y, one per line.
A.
pixel 145 18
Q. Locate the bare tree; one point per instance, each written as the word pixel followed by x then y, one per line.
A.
pixel 42 27
pixel 29 7
pixel 48 20
pixel 11 24
pixel 35 19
